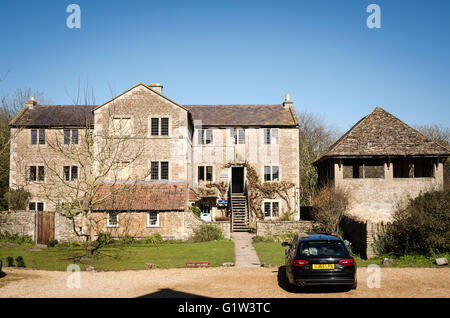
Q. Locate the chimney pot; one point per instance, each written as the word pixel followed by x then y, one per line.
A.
pixel 30 103
pixel 156 87
pixel 287 101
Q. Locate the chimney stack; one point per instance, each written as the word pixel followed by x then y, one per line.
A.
pixel 287 101
pixel 30 103
pixel 156 87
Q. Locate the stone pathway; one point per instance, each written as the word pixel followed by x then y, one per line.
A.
pixel 245 253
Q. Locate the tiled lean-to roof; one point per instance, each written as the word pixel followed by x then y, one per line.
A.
pixel 242 115
pixel 382 134
pixel 141 197
pixel 55 116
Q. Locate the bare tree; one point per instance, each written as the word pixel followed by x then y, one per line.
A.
pixel 108 157
pixel 314 138
pixel 437 133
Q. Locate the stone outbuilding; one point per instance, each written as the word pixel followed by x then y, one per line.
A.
pixel 381 161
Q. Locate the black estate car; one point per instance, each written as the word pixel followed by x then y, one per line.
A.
pixel 319 259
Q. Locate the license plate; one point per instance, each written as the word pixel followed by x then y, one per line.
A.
pixel 322 266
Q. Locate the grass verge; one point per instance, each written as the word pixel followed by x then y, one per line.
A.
pixel 125 257
pixel 273 253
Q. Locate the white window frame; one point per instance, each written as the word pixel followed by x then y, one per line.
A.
pixel 36 206
pixel 202 132
pixel 272 140
pixel 271 173
pixel 271 208
pixel 169 176
pixel 108 218
pixel 235 136
pixel 157 219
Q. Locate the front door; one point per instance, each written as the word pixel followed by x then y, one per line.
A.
pixel 237 179
pixel 205 214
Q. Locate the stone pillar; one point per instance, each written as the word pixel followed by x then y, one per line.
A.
pixel 338 173
pixel 388 170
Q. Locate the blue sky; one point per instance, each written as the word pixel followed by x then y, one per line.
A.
pixel 232 52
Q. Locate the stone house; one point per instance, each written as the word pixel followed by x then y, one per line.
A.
pixel 381 162
pixel 140 160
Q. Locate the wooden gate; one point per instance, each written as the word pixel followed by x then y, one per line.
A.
pixel 46 227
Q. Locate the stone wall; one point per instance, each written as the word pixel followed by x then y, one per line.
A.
pixel 267 228
pixel 20 222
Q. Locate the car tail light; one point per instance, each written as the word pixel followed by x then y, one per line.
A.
pixel 347 262
pixel 298 262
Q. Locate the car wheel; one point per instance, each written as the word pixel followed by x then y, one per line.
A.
pixel 355 284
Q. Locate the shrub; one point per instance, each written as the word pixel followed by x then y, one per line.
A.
pixel 104 239
pixel 422 227
pixel 20 262
pixel 273 238
pixel 127 239
pixel 52 243
pixel 207 232
pixel 17 198
pixel 10 261
pixel 154 239
pixel 329 207
pixel 15 238
pixel 196 210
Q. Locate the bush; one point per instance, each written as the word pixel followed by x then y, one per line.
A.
pixel 329 207
pixel 196 210
pixel 104 239
pixel 207 232
pixel 20 262
pixel 15 238
pixel 154 239
pixel 422 227
pixel 127 239
pixel 10 261
pixel 17 198
pixel 274 238
pixel 52 243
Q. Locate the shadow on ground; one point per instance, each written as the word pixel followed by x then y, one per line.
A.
pixel 170 293
pixel 2 274
pixel 283 282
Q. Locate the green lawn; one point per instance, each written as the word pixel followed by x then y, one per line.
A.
pixel 273 253
pixel 126 257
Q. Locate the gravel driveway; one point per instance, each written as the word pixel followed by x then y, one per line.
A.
pixel 216 282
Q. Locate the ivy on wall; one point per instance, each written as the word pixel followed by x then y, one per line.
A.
pixel 258 191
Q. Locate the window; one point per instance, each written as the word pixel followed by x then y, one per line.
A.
pixel 36 173
pixel 271 173
pixel 34 136
pixel 205 136
pixel 70 173
pixel 358 169
pixel 155 126
pixel 413 168
pixel 67 136
pixel 122 126
pixel 36 206
pixel 155 169
pixel 153 219
pixel 270 136
pixel 271 209
pixel 41 136
pixel 164 170
pixel 113 219
pixel 164 126
pixel 237 136
pixel 205 173
pixel 160 126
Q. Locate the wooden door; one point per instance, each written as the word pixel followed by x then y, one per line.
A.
pixel 46 227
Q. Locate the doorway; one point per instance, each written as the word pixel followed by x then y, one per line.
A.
pixel 237 179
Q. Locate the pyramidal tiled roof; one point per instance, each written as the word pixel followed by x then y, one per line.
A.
pixel 382 134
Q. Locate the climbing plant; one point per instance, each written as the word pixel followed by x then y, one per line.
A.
pixel 258 191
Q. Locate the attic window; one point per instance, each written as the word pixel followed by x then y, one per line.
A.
pixel 363 169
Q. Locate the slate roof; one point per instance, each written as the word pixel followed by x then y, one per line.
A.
pixel 55 116
pixel 242 115
pixel 141 197
pixel 382 134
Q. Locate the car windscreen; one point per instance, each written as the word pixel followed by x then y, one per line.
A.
pixel 322 249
